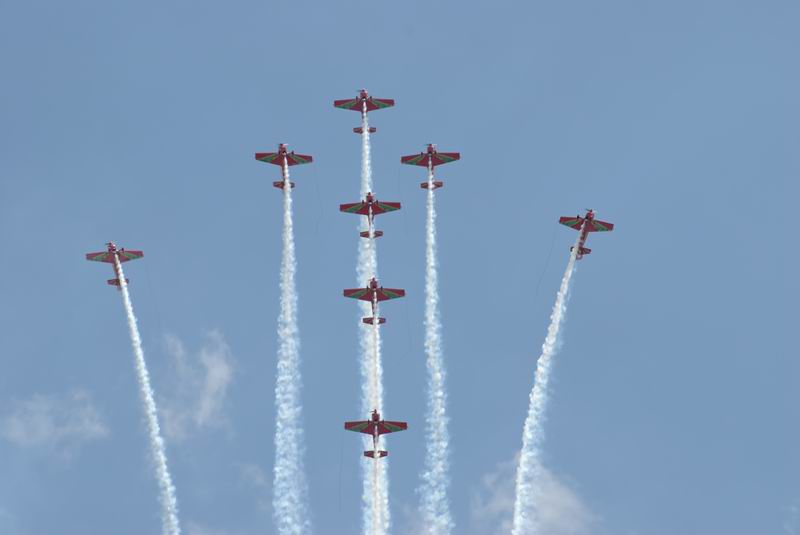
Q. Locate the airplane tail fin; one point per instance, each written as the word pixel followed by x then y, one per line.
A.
pixel 115 282
pixel 371 321
pixel 436 184
pixel 375 234
pixel 371 454
pixel 359 130
pixel 279 184
pixel 584 250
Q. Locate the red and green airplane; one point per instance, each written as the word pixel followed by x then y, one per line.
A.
pixel 364 103
pixel 370 207
pixel 375 427
pixel 373 293
pixel 284 158
pixel 430 159
pixel 585 225
pixel 116 257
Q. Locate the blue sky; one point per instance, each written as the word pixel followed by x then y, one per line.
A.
pixel 674 400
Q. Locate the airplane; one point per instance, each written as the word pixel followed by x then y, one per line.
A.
pixel 585 225
pixel 430 159
pixel 364 103
pixel 115 256
pixel 373 294
pixel 375 427
pixel 370 207
pixel 283 158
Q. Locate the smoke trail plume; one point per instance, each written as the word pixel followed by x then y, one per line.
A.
pixel 435 506
pixel 375 496
pixel 529 470
pixel 169 504
pixel 289 498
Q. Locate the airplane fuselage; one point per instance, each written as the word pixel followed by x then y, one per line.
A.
pixel 117 264
pixel 584 235
pixel 376 453
pixel 374 305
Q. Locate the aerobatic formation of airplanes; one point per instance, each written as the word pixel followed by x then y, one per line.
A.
pixel 374 293
pixel 585 225
pixel 284 158
pixel 375 427
pixel 363 104
pixel 430 159
pixel 370 207
pixel 115 257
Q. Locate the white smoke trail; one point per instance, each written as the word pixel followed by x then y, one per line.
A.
pixel 435 506
pixel 169 504
pixel 529 469
pixel 289 493
pixel 375 496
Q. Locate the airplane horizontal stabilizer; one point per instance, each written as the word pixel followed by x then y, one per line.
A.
pixel 375 234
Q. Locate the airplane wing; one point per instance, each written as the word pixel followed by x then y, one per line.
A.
pixel 379 103
pixel 372 104
pixel 348 104
pixel 362 426
pixel 105 256
pixel 269 157
pixel 573 222
pixel 599 226
pixel 438 158
pixel 359 293
pixel 125 255
pixel 355 208
pixel 383 207
pixel 415 159
pixel 291 158
pixel 298 159
pixel 445 157
pixel 384 294
pixel 385 426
